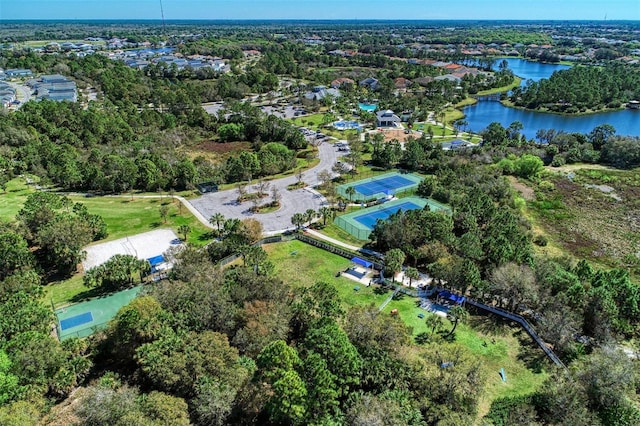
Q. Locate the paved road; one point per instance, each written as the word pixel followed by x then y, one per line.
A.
pixel 296 201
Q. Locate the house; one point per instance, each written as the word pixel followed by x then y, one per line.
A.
pixel 423 81
pixel 387 119
pixel 448 77
pixel 452 67
pixel 252 53
pixel 54 78
pixel 55 87
pixel 342 81
pixel 370 83
pixel 633 104
pixel 18 73
pixel 402 83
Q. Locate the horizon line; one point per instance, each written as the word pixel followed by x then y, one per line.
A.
pixel 313 20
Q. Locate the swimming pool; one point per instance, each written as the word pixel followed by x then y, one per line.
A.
pixel 347 125
pixel 367 107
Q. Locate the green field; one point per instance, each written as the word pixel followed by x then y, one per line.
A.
pixel 12 200
pixel 124 215
pixel 498 345
pixel 302 265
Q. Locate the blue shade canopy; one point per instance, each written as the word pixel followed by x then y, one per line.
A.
pixel 362 262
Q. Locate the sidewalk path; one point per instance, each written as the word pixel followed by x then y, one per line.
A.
pixel 333 241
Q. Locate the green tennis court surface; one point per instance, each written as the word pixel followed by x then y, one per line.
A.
pixel 85 318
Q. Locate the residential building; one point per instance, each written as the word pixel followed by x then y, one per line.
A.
pixel 371 83
pixel 18 72
pixel 342 81
pixel 55 87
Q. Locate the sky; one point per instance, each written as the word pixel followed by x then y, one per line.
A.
pixel 322 9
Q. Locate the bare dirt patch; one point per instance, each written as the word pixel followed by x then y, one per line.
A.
pixel 399 134
pixel 527 192
pixel 222 147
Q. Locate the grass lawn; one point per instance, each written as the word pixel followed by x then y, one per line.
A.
pixel 302 265
pixel 511 86
pixel 436 128
pixel 497 344
pixel 12 200
pixel 334 231
pixel 125 216
pixel 311 120
pixel 60 293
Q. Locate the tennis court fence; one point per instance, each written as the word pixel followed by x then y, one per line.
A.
pixel 309 240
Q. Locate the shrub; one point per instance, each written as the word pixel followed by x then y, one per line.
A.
pixel 540 240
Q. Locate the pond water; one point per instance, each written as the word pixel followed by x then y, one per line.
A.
pixel 486 111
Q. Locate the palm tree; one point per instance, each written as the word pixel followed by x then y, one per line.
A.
pixel 350 191
pixel 324 213
pixel 217 219
pixel 393 260
pixel 412 274
pixel 184 231
pixel 434 322
pixel 231 226
pixel 309 215
pixel 456 314
pixel 298 219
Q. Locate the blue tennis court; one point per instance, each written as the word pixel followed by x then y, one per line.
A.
pixel 369 219
pixel 384 185
pixel 76 321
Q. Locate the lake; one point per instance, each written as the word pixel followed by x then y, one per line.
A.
pixel 486 111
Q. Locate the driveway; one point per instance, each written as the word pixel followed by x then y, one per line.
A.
pixel 296 201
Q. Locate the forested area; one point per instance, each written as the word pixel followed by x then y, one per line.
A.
pixel 245 344
pixel 130 140
pixel 581 88
pixel 241 346
pixel 556 148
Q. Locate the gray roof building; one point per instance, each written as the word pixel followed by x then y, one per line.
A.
pixel 387 118
pixel 320 92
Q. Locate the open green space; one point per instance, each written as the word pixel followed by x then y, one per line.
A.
pixel 498 345
pixel 12 199
pixel 123 215
pixel 62 293
pixel 435 128
pixel 334 231
pixel 302 265
pixel 126 216
pixel 516 83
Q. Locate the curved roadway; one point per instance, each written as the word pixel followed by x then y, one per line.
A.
pixel 296 201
